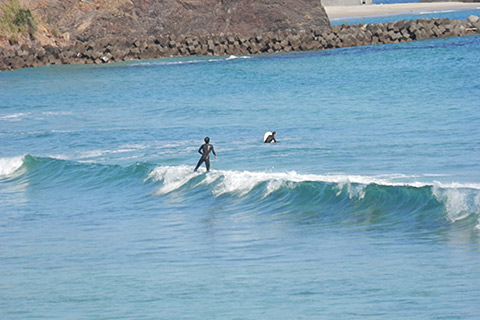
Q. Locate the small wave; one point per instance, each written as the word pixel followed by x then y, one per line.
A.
pixel 166 63
pixel 8 166
pixel 92 154
pixel 436 11
pixel 48 171
pixel 57 113
pixel 233 57
pixel 13 117
pixel 186 62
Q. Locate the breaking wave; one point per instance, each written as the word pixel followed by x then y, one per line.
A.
pixel 399 195
pixel 8 166
pixel 353 193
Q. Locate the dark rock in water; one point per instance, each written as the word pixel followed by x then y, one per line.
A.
pixel 475 21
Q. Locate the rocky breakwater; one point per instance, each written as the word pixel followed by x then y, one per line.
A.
pixel 115 48
pixel 402 31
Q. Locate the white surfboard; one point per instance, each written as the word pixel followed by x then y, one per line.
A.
pixel 265 136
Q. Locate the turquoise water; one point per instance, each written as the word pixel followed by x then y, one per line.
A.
pixel 368 207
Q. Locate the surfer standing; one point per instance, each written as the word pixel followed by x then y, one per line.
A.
pixel 271 138
pixel 204 150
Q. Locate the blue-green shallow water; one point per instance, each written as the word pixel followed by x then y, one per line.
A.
pixel 368 207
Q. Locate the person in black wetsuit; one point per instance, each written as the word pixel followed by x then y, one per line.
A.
pixel 271 138
pixel 204 150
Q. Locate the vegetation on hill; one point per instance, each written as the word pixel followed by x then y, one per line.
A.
pixel 16 22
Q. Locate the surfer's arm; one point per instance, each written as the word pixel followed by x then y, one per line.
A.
pixel 200 150
pixel 213 151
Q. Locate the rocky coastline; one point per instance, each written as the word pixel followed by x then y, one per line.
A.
pixel 115 49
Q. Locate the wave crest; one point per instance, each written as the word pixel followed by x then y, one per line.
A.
pixel 8 166
pixel 372 193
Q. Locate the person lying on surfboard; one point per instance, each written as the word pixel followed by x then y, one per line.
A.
pixel 271 138
pixel 204 150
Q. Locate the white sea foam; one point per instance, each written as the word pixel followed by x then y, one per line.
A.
pixel 189 61
pixel 57 113
pixel 173 177
pixel 459 202
pixel 13 117
pixel 9 165
pixel 435 11
pixel 355 191
pixel 242 182
pixel 233 57
pixel 477 204
pixel 135 146
pixel 92 154
pixel 105 152
pixel 273 186
pixel 164 63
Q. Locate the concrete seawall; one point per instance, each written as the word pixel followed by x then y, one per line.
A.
pixel 118 49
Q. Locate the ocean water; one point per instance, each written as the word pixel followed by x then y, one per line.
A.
pixel 367 208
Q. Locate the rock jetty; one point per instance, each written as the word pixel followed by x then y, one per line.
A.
pixel 114 48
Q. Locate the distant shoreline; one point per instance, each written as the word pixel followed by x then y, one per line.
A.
pixel 376 10
pixel 114 49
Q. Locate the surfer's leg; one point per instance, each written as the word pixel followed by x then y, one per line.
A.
pixel 207 164
pixel 199 163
